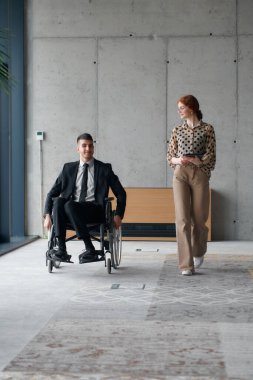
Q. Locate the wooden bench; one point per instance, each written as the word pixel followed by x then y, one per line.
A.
pixel 150 215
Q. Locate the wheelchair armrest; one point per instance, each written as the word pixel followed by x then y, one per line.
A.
pixel 109 199
pixel 108 210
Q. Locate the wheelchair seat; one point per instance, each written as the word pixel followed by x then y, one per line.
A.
pixel 104 232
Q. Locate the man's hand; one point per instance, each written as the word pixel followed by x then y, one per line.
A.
pixel 117 221
pixel 47 222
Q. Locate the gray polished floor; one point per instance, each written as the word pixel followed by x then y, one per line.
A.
pixel 144 321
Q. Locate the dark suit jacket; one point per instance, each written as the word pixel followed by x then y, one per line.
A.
pixel 104 179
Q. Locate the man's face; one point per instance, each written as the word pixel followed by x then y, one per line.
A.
pixel 85 149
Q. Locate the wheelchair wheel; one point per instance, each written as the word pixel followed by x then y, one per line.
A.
pixel 115 246
pixel 109 266
pixel 52 243
pixel 51 239
pixel 50 266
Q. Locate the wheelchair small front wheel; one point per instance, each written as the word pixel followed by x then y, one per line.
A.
pixel 109 265
pixel 57 264
pixel 50 265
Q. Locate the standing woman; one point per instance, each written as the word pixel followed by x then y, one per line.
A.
pixel 192 155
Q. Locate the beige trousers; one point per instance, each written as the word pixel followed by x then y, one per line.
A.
pixel 191 199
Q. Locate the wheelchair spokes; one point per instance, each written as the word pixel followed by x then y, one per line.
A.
pixel 115 242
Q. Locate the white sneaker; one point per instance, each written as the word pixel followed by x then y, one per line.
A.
pixel 187 272
pixel 198 261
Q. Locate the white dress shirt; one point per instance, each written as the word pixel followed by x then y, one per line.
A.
pixel 90 184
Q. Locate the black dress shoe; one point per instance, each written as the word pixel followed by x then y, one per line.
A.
pixel 61 255
pixel 88 256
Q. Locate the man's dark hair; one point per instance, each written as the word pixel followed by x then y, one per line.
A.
pixel 84 136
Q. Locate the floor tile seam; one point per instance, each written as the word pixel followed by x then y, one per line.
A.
pixel 57 320
pixel 217 292
pixel 104 376
pixel 155 321
pixel 91 375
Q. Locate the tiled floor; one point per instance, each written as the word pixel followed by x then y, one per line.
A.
pixel 144 321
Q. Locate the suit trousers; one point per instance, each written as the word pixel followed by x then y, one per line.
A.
pixel 78 214
pixel 191 199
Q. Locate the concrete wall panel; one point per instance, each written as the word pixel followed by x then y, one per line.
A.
pixel 64 106
pixel 132 109
pixel 205 67
pixel 245 140
pixel 121 98
pixel 137 17
pixel 245 13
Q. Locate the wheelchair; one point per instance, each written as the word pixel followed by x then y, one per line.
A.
pixel 104 232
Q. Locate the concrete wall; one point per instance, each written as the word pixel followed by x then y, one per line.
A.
pixel 115 68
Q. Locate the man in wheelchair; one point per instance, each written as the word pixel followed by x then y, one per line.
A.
pixel 78 197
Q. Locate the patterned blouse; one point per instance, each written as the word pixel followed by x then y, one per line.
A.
pixel 199 140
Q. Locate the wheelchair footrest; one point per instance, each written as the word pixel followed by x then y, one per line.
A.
pixel 65 261
pixel 51 256
pixel 83 261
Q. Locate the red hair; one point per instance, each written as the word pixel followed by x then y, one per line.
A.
pixel 191 102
